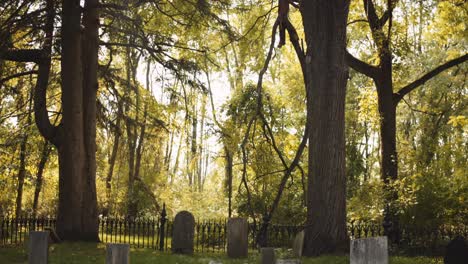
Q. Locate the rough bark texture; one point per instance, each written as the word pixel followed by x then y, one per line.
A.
pixel 326 74
pixel 75 136
pixel 90 49
pixel 71 150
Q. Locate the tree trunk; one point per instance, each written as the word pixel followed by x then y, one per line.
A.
pixel 229 164
pixel 46 148
pixel 326 74
pixel 74 137
pixel 90 87
pixel 22 158
pixel 113 157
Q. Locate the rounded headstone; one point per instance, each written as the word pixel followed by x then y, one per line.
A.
pixel 183 233
pixel 456 251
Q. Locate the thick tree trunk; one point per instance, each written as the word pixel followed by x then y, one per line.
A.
pixel 90 86
pixel 71 147
pixel 325 30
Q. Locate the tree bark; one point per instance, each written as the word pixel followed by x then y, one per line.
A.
pixel 90 47
pixel 71 149
pixel 326 77
pixel 22 157
pixel 46 148
pixel 113 157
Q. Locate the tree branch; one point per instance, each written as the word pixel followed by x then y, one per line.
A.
pixel 41 115
pixel 16 76
pixel 22 55
pixel 426 77
pixel 361 66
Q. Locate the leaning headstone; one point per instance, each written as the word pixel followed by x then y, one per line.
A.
pixel 456 251
pixel 38 247
pixel 298 244
pixel 118 254
pixel 183 233
pixel 373 250
pixel 237 237
pixel 268 255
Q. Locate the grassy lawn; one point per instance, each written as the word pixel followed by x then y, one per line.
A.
pixel 84 253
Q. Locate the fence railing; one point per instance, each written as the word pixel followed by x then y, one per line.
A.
pixel 211 235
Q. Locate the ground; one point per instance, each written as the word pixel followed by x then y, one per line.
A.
pixel 87 253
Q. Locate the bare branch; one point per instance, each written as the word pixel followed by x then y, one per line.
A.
pixel 361 66
pixel 426 77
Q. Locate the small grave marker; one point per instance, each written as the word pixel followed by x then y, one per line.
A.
pixel 237 237
pixel 118 254
pixel 298 244
pixel 38 248
pixel 268 255
pixel 373 250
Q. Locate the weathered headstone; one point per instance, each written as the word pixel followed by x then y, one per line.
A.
pixel 183 233
pixel 268 255
pixel 373 250
pixel 38 247
pixel 237 237
pixel 456 251
pixel 298 244
pixel 118 254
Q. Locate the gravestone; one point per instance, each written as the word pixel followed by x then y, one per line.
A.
pixel 298 244
pixel 373 250
pixel 456 251
pixel 237 237
pixel 118 254
pixel 268 255
pixel 38 247
pixel 183 233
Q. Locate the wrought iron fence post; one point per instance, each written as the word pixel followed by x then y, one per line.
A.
pixel 163 223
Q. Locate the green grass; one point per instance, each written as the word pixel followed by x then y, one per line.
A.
pixel 87 253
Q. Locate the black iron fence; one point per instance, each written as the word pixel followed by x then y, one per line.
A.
pixel 210 235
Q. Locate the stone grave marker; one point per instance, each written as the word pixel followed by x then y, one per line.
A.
pixel 373 250
pixel 456 251
pixel 298 244
pixel 268 255
pixel 183 233
pixel 118 253
pixel 38 247
pixel 237 237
